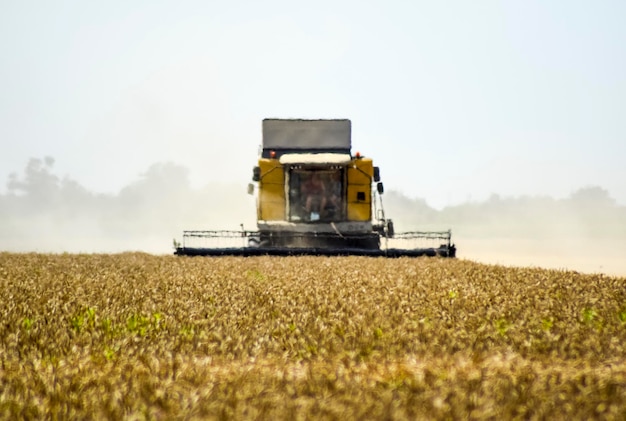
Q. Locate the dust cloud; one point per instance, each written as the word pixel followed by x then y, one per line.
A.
pixel 585 232
pixel 43 212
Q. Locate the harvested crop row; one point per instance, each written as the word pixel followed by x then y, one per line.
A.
pixel 308 337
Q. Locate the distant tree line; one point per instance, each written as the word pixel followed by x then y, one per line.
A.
pixel 44 211
pixel 587 212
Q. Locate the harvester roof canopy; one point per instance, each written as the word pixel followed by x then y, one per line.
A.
pixel 307 135
pixel 315 158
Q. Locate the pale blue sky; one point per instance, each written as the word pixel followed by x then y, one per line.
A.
pixel 454 100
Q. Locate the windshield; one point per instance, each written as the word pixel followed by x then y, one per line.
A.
pixel 316 195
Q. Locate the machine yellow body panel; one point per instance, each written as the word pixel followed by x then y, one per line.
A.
pixel 357 174
pixel 271 191
pixel 359 190
pixel 359 211
pixel 271 171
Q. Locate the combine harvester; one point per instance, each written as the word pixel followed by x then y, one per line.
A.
pixel 315 198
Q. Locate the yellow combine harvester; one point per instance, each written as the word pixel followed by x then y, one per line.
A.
pixel 315 197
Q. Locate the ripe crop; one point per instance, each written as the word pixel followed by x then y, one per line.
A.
pixel 136 336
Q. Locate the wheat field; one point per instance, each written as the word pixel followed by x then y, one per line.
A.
pixel 137 336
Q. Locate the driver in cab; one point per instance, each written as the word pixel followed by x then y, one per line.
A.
pixel 315 193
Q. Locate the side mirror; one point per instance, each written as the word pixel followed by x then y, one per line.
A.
pixel 250 188
pixel 256 174
pixel 380 188
pixel 376 174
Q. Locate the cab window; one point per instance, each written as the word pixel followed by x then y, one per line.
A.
pixel 316 195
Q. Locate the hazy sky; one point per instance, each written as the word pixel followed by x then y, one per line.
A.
pixel 454 100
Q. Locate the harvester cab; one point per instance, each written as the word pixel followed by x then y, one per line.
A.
pixel 315 197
